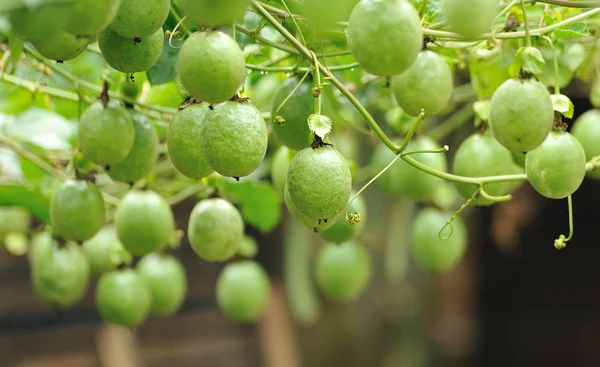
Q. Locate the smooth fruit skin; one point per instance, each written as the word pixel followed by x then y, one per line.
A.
pixel 556 168
pixel 343 271
pixel 89 17
pixel 279 168
pixel 183 142
pixel 61 276
pixel 470 18
pixel 61 46
pixel 215 229
pixel 14 219
pixel 41 22
pixel 167 281
pixel 428 249
pixel 519 158
pixel 210 13
pixel 123 298
pixel 129 56
pixel 211 66
pixel 521 114
pixel 143 154
pixel 140 18
pixel 106 134
pixel 234 138
pixel 385 36
pixel 480 155
pixel 243 291
pixel 587 130
pixel 315 224
pixel 77 210
pixel 427 85
pixel 104 251
pixel 294 132
pixel 144 222
pixel 341 230
pixel 319 182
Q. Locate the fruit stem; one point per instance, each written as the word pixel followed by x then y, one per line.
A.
pixel 411 132
pixel 289 13
pixel 422 8
pixel 317 86
pixel 555 61
pixel 495 199
pixel 572 4
pixel 527 35
pixel 290 95
pixel 560 243
pixel 104 94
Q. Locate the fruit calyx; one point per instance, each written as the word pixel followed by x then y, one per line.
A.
pixel 103 97
pixel 238 99
pixel 559 124
pixel 189 101
pixel 319 143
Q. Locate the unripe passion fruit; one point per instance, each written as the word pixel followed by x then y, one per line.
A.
pixel 315 224
pixel 342 230
pixel 123 298
pixel 89 17
pixel 521 114
pixel 183 141
pixel 61 275
pixel 385 36
pixel 13 219
pixel 470 18
pixel 40 22
pixel 141 158
pixel 431 251
pixel 319 182
pixel 166 279
pixel 293 130
pixel 211 13
pixel 587 130
pixel 144 222
pixel 104 251
pixel 211 66
pixel 215 229
pixel 140 18
pixel 130 56
pixel 243 291
pixel 77 210
pixel 427 85
pixel 343 270
pixel 106 134
pixel 481 155
pixel 556 168
pixel 61 46
pixel 234 138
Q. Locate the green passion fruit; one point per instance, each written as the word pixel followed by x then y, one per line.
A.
pixel 211 13
pixel 40 22
pixel 130 56
pixel 61 46
pixel 234 138
pixel 61 276
pixel 215 229
pixel 166 279
pixel 104 251
pixel 481 155
pixel 521 114
pixel 140 18
pixel 290 122
pixel 89 17
pixel 243 291
pixel 143 154
pixel 106 133
pixel 123 298
pixel 211 66
pixel 13 219
pixel 428 249
pixel 556 168
pixel 427 84
pixel 319 182
pixel 77 210
pixel 587 130
pixel 342 230
pixel 343 271
pixel 315 224
pixel 385 36
pixel 470 18
pixel 144 222
pixel 183 141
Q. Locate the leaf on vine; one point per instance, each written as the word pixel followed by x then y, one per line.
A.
pixel 482 110
pixel 16 45
pixel 321 125
pixel 529 60
pixel 43 128
pixel 165 69
pixel 563 104
pixel 433 9
pixel 259 203
pixel 575 30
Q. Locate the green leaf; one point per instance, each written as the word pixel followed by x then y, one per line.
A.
pixel 10 167
pixel 528 59
pixel 165 69
pixel 563 105
pixel 16 44
pixel 433 9
pixel 42 128
pixel 259 203
pixel 579 29
pixel 321 125
pixel 29 198
pixel 482 109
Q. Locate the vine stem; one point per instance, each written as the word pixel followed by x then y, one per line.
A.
pixel 423 8
pixel 572 4
pixel 292 69
pixel 527 34
pixel 186 193
pixel 317 85
pixel 555 61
